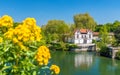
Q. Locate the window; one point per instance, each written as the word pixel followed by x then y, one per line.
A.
pixel 89 36
pixel 77 36
pixel 82 36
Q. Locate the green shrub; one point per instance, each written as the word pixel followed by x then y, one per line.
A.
pixel 104 50
pixel 58 46
pixel 71 46
pixel 118 55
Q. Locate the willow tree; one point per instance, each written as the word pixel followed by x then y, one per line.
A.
pixel 56 30
pixel 84 21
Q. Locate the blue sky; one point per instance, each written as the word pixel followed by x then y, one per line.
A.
pixel 103 11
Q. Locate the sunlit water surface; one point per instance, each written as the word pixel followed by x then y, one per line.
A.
pixel 85 63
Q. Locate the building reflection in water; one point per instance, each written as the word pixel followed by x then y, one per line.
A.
pixel 83 60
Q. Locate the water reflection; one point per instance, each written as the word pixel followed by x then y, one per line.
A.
pixel 85 63
pixel 83 60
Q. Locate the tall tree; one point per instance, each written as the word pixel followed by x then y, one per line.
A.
pixel 104 35
pixel 84 21
pixel 56 29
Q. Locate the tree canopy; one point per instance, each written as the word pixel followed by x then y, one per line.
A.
pixel 84 21
pixel 104 34
pixel 117 34
pixel 56 29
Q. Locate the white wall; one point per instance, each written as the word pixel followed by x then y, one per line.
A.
pixel 78 39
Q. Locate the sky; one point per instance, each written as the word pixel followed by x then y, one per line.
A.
pixel 103 11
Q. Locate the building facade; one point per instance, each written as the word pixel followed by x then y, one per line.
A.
pixel 83 36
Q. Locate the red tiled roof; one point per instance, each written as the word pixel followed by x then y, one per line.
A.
pixel 95 33
pixel 84 30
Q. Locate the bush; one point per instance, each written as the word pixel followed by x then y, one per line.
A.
pixel 71 46
pixel 58 46
pixel 104 50
pixel 21 49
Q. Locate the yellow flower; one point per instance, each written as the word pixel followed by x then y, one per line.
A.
pixel 43 55
pixel 20 37
pixel 55 69
pixel 32 38
pixel 1 39
pixel 23 47
pixel 20 44
pixel 25 39
pixel 30 22
pixel 6 21
pixel 15 40
pixel 27 31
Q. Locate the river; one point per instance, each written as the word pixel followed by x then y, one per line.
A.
pixel 85 63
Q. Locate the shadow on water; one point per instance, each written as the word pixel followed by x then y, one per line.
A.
pixel 85 63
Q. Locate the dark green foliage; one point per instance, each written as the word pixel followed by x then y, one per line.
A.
pixel 71 46
pixel 117 35
pixel 16 24
pixel 62 46
pixel 97 28
pixel 104 51
pixel 58 46
pixel 118 55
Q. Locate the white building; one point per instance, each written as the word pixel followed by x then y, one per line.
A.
pixel 83 36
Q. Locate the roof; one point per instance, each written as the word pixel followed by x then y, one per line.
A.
pixel 97 33
pixel 83 31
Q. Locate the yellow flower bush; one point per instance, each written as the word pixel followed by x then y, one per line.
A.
pixel 25 32
pixel 21 51
pixel 9 33
pixel 1 39
pixel 28 31
pixel 43 55
pixel 55 69
pixel 6 21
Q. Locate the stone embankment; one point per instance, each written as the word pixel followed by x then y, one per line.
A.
pixel 113 51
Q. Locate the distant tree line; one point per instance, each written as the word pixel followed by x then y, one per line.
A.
pixel 58 30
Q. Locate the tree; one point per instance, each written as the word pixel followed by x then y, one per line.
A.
pixel 117 35
pixel 56 29
pixel 98 27
pixel 104 35
pixel 84 21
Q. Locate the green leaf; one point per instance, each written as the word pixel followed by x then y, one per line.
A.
pixel 34 73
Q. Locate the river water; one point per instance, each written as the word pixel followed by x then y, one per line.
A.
pixel 85 63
